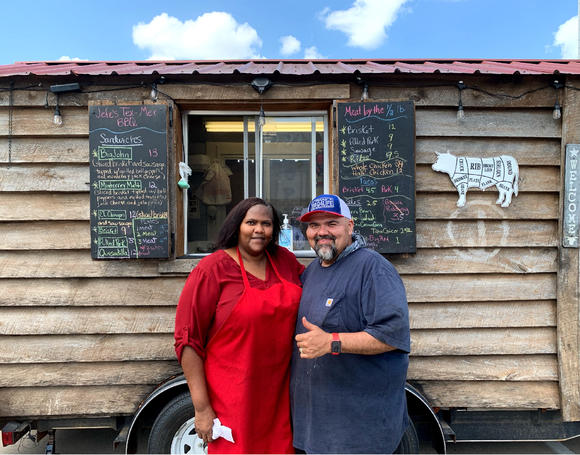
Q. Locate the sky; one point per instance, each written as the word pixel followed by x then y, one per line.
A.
pixel 113 30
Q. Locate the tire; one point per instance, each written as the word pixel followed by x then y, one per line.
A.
pixel 410 441
pixel 174 431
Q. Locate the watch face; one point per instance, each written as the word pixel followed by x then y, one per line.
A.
pixel 335 347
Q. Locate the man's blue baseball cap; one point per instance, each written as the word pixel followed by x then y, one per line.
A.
pixel 326 203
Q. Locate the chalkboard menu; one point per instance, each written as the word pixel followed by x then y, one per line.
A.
pixel 128 169
pixel 376 143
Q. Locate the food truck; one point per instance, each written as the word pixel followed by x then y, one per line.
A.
pixel 116 176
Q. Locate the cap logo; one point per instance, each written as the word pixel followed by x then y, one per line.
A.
pixel 322 203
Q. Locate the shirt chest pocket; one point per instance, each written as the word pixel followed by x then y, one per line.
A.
pixel 333 321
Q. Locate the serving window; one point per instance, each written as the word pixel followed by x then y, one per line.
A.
pixel 280 157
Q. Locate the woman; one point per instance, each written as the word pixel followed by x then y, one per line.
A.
pixel 234 331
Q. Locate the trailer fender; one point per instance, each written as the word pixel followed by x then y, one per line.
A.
pixel 420 410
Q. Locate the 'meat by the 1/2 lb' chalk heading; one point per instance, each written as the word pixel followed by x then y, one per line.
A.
pixel 367 109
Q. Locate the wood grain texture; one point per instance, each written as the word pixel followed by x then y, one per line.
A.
pixel 492 394
pixel 45 150
pixel 510 341
pixel 535 313
pixel 87 374
pixel 45 235
pixel 44 206
pixel 91 292
pixel 85 348
pixel 35 121
pixel 533 368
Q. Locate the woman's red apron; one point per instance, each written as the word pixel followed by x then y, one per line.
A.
pixel 247 369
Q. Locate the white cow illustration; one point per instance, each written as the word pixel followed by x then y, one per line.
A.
pixel 501 171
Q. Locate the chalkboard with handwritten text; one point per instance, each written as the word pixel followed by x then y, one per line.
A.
pixel 376 149
pixel 128 173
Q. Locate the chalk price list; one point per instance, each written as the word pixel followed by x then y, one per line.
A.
pixel 129 216
pixel 376 172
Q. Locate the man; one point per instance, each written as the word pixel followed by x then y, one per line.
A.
pixel 352 341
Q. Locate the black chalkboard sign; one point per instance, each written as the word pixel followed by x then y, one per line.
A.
pixel 128 169
pixel 376 144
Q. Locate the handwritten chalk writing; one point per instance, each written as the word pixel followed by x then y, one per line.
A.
pixel 128 169
pixel 376 171
pixel 117 185
pixel 117 139
pixel 112 214
pixel 115 153
pixel 112 253
pixel 112 242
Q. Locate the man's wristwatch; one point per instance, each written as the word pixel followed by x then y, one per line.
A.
pixel 335 345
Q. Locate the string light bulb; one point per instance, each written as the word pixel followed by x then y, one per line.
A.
pixel 154 92
pixel 57 118
pixel 460 111
pixel 365 92
pixel 557 112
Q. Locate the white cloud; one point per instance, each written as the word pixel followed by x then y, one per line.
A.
pixel 567 38
pixel 215 35
pixel 66 58
pixel 290 45
pixel 365 23
pixel 311 53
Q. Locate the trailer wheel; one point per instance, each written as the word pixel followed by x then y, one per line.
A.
pixel 174 431
pixel 410 441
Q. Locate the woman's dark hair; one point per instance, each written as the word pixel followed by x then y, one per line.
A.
pixel 229 232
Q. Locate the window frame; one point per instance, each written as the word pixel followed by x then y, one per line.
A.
pixel 258 143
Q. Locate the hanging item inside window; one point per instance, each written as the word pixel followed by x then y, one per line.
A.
pixel 464 172
pixel 215 188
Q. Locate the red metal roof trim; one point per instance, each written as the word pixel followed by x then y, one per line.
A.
pixel 293 67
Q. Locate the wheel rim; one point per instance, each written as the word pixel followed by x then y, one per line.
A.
pixel 187 441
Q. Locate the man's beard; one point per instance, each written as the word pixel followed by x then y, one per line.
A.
pixel 325 252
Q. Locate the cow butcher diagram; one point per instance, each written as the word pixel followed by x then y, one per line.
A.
pixel 464 172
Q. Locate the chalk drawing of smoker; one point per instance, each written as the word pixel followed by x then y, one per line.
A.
pixel 464 172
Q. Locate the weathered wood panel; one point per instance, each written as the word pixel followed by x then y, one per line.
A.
pixel 71 401
pixel 91 292
pixel 85 348
pixel 45 235
pixel 45 150
pixel 45 178
pixel 535 313
pixel 130 320
pixel 82 374
pixel 487 123
pixel 86 321
pixel 39 206
pixel 528 151
pixel 568 286
pixel 483 341
pixel 484 368
pixel 481 205
pixel 70 264
pixel 75 178
pixel 448 95
pixel 474 260
pixel 78 263
pixel 429 122
pixel 464 288
pixel 492 394
pixel 485 233
pixel 536 179
pixel 38 122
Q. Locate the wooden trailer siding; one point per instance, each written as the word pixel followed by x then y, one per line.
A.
pixel 484 288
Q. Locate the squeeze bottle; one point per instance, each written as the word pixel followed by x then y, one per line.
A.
pixel 285 238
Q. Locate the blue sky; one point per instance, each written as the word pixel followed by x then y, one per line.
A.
pixel 241 29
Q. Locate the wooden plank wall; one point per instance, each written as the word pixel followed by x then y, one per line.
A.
pixel 79 336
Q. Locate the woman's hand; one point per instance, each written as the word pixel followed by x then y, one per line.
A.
pixel 204 423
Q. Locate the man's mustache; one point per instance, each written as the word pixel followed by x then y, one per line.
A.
pixel 328 237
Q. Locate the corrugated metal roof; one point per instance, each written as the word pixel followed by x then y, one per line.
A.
pixel 292 67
